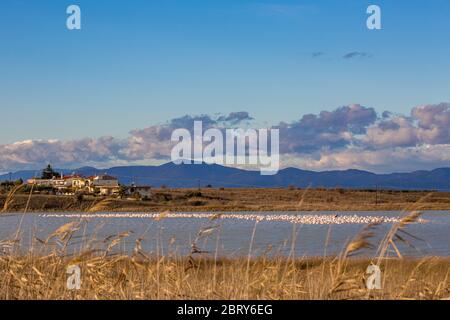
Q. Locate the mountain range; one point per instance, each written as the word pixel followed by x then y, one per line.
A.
pixel 191 176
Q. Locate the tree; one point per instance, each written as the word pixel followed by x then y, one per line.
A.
pixel 122 191
pixel 48 173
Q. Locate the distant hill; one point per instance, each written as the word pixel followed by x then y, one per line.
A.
pixel 189 176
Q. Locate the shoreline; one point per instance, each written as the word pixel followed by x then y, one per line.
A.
pixel 236 200
pixel 180 210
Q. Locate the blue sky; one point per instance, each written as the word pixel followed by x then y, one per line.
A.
pixel 137 64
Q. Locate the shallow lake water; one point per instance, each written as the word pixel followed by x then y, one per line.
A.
pixel 234 234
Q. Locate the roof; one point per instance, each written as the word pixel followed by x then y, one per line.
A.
pixel 73 177
pixel 105 177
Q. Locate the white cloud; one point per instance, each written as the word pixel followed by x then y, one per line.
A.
pixel 351 136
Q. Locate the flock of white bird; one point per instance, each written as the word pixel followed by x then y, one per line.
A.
pixel 309 219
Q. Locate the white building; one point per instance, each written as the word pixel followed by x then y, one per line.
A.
pixel 103 184
pixel 106 185
pixel 56 183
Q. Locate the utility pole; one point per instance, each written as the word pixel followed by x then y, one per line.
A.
pixel 10 177
pixel 376 195
pixel 198 184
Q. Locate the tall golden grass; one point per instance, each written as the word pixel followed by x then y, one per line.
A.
pixel 125 277
pixel 109 273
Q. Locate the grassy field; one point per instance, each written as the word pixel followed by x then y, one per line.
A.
pixel 215 200
pixel 124 277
